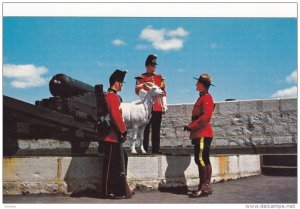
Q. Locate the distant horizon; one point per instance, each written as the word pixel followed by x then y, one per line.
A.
pixel 190 103
pixel 248 58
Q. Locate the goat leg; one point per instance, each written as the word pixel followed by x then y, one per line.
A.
pixel 142 140
pixel 133 150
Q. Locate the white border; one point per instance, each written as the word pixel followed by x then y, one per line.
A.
pixel 287 10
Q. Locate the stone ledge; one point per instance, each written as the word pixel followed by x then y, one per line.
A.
pixel 180 151
pixel 73 174
pixel 288 104
pixel 270 105
pixel 248 107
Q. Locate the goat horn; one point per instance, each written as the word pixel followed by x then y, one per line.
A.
pixel 150 84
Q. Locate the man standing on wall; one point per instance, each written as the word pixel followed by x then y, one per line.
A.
pixel 114 183
pixel 159 106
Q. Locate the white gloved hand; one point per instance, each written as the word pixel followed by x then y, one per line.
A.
pixel 164 104
pixel 142 93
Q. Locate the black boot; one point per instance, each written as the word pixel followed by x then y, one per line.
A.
pixel 190 192
pixel 209 188
pixel 202 192
pixel 208 180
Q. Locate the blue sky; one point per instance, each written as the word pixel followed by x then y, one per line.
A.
pixel 248 58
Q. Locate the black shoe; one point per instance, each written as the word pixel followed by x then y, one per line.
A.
pixel 209 189
pixel 190 192
pixel 198 193
pixel 115 197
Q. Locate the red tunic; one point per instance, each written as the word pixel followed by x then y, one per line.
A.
pixel 202 114
pixel 156 79
pixel 115 112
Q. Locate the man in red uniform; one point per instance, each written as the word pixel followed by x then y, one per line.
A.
pixel 159 106
pixel 114 184
pixel 201 134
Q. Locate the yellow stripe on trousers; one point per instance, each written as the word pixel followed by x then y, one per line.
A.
pixel 201 151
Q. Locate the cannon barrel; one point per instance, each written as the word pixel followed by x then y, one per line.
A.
pixel 65 86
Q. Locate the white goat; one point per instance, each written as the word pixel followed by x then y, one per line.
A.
pixel 138 113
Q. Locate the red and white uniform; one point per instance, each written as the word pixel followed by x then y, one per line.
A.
pixel 157 79
pixel 202 112
pixel 115 112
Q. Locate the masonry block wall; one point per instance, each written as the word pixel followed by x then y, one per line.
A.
pixel 237 123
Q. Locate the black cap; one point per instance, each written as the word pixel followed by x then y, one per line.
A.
pixel 151 60
pixel 118 75
pixel 205 79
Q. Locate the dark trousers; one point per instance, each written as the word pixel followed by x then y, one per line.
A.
pixel 154 123
pixel 201 150
pixel 201 153
pixel 113 176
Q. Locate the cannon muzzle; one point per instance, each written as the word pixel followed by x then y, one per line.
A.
pixel 65 86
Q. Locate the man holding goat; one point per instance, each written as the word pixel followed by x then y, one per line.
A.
pixel 160 103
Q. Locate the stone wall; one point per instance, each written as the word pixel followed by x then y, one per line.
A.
pixel 71 175
pixel 237 123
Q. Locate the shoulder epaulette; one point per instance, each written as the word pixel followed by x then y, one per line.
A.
pixel 161 76
pixel 138 77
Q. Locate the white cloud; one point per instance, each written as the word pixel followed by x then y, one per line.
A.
pixel 118 42
pixel 292 78
pixel 166 45
pixel 163 39
pixel 178 32
pixel 25 76
pixel 290 92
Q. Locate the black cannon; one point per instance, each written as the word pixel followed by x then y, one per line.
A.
pixel 71 114
pixel 74 98
pixel 64 86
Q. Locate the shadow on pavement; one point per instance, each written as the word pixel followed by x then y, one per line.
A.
pixel 175 182
pixel 83 175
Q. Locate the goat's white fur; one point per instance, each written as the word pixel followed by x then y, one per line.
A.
pixel 137 114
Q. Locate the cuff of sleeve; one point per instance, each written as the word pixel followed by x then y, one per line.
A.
pixel 191 127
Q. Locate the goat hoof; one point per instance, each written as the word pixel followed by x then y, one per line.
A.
pixel 134 152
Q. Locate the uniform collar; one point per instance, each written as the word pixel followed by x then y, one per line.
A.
pixel 110 89
pixel 147 73
pixel 203 93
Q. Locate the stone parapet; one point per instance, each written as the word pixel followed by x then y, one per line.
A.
pixel 235 124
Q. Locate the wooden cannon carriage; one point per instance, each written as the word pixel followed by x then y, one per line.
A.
pixel 71 114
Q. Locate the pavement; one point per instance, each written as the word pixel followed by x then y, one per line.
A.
pixel 250 190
